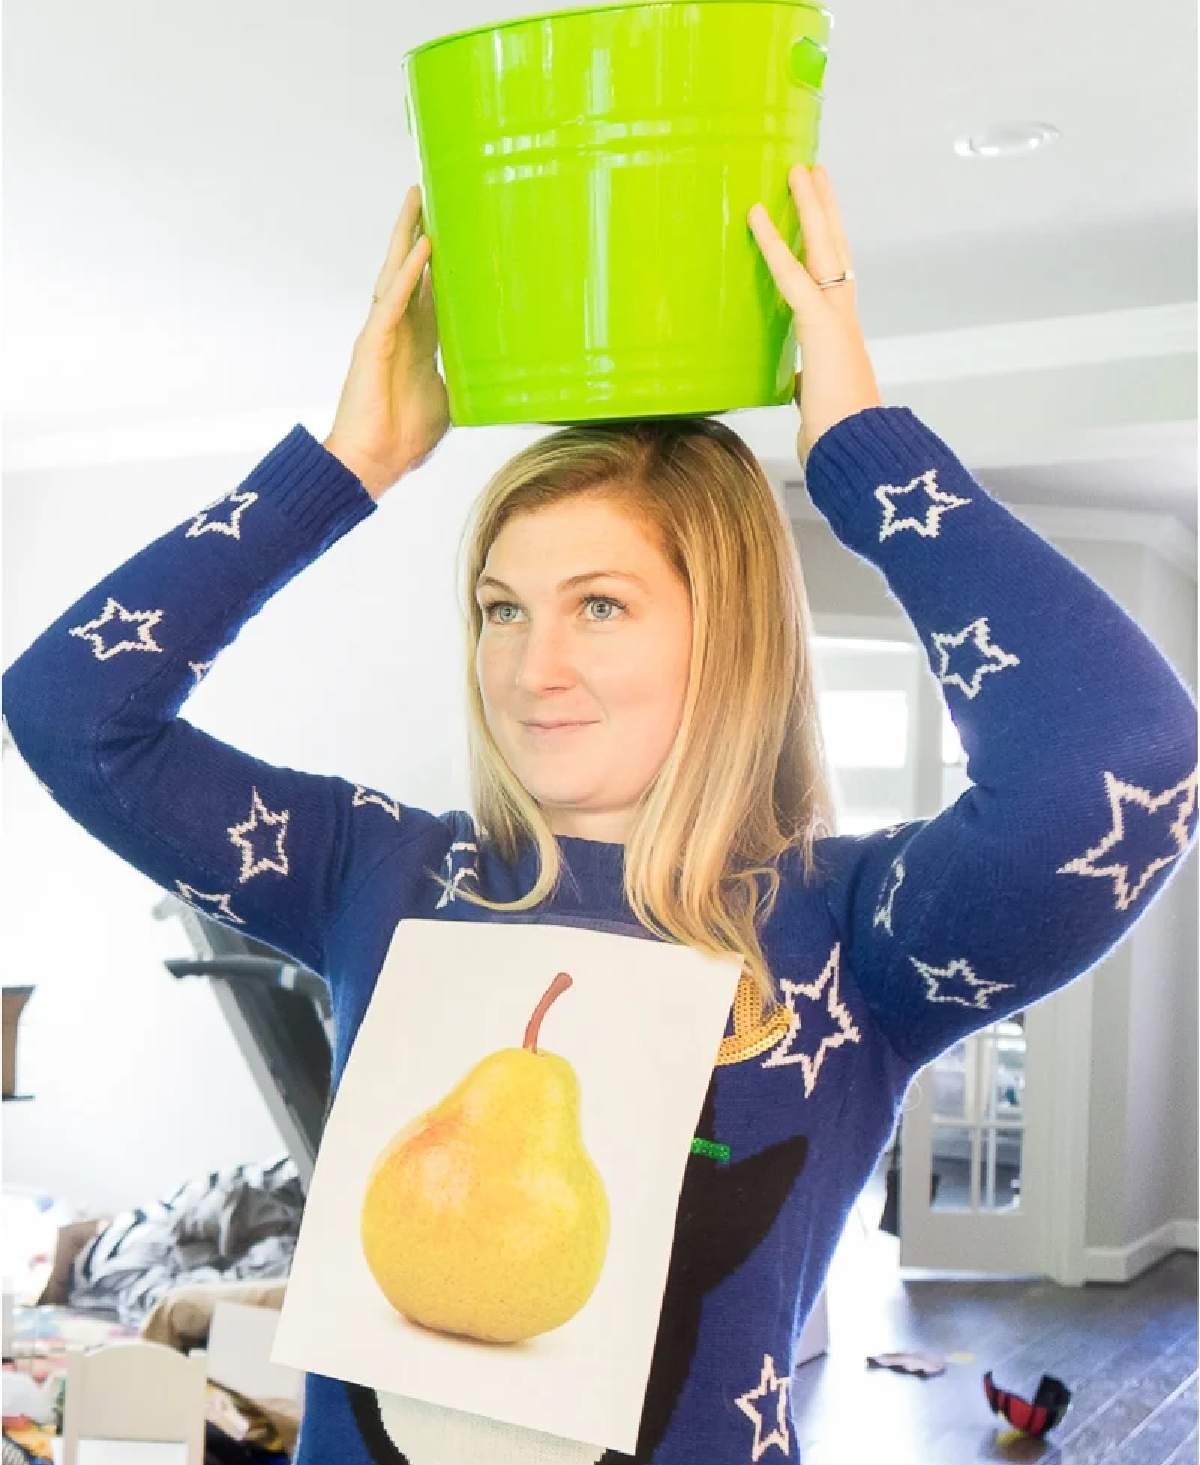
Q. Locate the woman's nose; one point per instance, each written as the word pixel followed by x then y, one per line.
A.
pixel 545 658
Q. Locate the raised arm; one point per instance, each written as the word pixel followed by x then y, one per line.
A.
pixel 92 705
pixel 1080 742
pixel 1080 739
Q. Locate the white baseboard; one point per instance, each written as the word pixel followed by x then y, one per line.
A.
pixel 1123 1263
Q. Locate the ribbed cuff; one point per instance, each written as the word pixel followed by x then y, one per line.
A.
pixel 879 445
pixel 315 490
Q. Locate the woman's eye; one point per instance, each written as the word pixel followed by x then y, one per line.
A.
pixel 606 600
pixel 498 605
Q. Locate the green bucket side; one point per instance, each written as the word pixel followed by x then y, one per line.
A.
pixel 587 177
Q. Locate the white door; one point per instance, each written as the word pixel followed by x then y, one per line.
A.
pixel 972 1153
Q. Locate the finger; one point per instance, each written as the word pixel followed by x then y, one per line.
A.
pixel 392 304
pixel 822 257
pixel 836 228
pixel 789 274
pixel 401 241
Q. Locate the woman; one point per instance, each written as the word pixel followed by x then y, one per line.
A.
pixel 687 802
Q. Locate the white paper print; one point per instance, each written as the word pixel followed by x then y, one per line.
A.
pixel 492 1212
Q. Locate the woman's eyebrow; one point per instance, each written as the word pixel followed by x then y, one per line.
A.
pixel 567 584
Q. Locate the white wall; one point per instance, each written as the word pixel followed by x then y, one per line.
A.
pixel 1161 1130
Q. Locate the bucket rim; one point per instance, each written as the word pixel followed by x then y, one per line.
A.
pixel 500 25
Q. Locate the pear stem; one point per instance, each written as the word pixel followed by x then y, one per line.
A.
pixel 555 990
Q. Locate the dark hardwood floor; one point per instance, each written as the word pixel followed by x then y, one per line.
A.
pixel 1127 1353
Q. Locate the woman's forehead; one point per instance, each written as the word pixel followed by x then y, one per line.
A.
pixel 582 521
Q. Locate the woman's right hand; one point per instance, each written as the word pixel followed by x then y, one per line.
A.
pixel 394 410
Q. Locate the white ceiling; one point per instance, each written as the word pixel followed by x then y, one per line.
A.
pixel 198 199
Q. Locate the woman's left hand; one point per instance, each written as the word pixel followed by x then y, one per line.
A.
pixel 837 378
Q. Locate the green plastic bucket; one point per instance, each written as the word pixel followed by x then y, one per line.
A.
pixel 586 178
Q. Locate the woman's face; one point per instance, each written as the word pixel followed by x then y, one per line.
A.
pixel 562 643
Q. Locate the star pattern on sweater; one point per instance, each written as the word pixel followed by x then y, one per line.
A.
pixel 1129 867
pixel 772 1389
pixel 203 524
pixel 979 635
pixel 938 503
pixel 115 616
pixel 199 668
pixel 369 796
pixel 212 905
pixel 254 863
pixel 938 978
pixel 456 870
pixel 887 899
pixel 843 1031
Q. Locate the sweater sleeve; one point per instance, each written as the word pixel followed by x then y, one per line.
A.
pixel 1080 743
pixel 92 706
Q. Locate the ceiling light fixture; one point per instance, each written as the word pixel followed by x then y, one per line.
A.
pixel 1006 140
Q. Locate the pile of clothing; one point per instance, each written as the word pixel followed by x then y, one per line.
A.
pixel 231 1225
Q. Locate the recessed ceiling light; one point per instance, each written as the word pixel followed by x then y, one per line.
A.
pixel 1006 140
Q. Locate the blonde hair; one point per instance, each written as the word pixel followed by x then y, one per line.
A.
pixel 745 777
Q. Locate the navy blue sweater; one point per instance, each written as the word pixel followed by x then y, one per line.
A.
pixel 1081 745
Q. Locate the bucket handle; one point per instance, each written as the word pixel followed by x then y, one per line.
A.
pixel 806 63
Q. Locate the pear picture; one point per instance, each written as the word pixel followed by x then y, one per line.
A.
pixel 485 1217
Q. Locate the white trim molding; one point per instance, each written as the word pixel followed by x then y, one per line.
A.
pixel 1123 1263
pixel 1013 346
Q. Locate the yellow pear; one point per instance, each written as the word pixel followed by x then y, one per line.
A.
pixel 485 1217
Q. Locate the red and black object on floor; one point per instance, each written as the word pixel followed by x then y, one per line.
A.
pixel 1047 1409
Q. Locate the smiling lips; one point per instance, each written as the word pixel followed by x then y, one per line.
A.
pixel 540 730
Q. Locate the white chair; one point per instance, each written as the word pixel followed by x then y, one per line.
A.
pixel 135 1391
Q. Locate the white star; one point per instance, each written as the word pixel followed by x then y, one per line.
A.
pixel 221 902
pixel 456 876
pixel 769 1383
pixel 958 968
pixel 237 833
pixel 232 526
pixel 810 1063
pixel 883 911
pixel 927 527
pixel 980 635
pixel 115 611
pixel 1119 792
pixel 199 668
pixel 369 796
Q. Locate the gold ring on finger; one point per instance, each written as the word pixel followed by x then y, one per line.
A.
pixel 832 280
